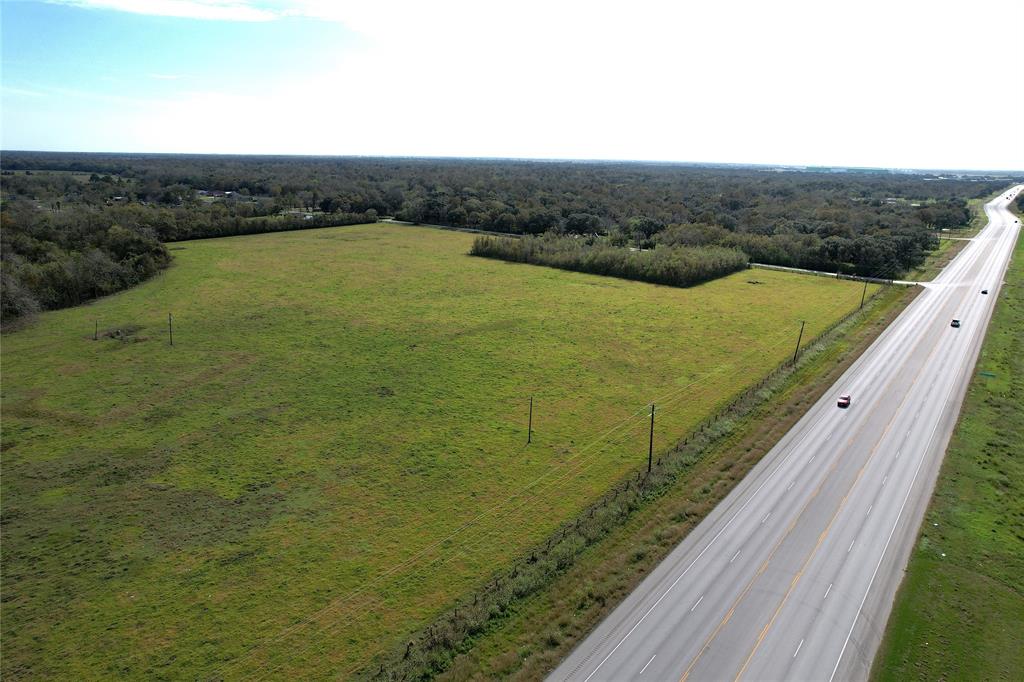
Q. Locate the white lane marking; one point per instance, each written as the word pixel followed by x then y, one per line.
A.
pixel 828 436
pixel 698 602
pixel 827 591
pixel 851 546
pixel 885 479
pixel 892 532
pixel 790 485
pixel 798 648
pixel 811 459
pixel 724 528
pixel 648 663
pixel 765 518
pixel 902 327
pixel 869 510
pixel 735 555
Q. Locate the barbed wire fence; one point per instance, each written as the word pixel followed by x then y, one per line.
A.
pixel 430 651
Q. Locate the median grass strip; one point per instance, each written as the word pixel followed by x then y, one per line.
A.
pixel 527 637
pixel 333 450
pixel 959 614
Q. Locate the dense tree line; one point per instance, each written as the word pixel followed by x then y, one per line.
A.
pixel 944 215
pixel 871 255
pixel 533 196
pixel 674 265
pixel 57 206
pixel 63 259
pixel 78 245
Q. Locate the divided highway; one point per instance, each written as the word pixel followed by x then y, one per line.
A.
pixel 793 575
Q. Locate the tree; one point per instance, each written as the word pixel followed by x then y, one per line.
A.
pixel 644 226
pixel 582 223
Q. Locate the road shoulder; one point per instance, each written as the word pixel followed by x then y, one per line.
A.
pixel 546 626
pixel 959 613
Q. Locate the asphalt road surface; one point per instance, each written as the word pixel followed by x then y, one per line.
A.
pixel 793 575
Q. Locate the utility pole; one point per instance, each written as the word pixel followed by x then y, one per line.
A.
pixel 170 328
pixel 864 293
pixel 529 428
pixel 798 339
pixel 650 445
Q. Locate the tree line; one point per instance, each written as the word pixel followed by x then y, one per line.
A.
pixel 70 257
pixel 72 251
pixel 673 265
pixel 58 209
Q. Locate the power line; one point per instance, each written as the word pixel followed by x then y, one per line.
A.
pixel 576 469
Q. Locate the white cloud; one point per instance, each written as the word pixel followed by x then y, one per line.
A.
pixel 869 83
pixel 218 10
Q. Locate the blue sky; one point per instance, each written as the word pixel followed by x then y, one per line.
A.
pixel 70 73
pixel 872 83
pixel 110 52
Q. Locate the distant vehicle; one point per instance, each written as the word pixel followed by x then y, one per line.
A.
pixel 984 291
pixel 844 400
pixel 954 323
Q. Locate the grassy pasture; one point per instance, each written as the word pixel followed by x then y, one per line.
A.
pixel 334 448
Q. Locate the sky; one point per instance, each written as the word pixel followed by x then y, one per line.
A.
pixel 903 84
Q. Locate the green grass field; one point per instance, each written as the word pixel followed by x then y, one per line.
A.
pixel 959 614
pixel 334 448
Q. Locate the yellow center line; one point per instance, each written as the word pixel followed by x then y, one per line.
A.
pixel 789 529
pixel 839 509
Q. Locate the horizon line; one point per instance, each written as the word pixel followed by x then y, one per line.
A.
pixel 541 159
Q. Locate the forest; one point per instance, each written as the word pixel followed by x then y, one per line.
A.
pixel 77 226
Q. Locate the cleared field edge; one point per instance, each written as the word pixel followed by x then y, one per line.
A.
pixel 210 337
pixel 482 613
pixel 962 593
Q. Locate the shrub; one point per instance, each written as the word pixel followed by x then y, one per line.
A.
pixel 680 266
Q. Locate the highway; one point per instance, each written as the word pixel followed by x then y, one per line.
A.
pixel 793 575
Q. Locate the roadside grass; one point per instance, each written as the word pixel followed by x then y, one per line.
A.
pixel 318 466
pixel 542 629
pixel 978 217
pixel 947 250
pixel 959 614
